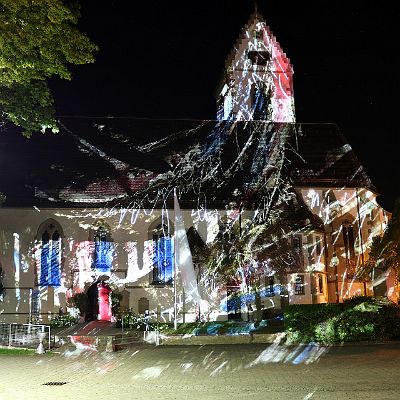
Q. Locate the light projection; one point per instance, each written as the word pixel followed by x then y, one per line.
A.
pixel 103 253
pixel 16 257
pixel 270 218
pixel 163 258
pixel 256 283
pixel 259 84
pixel 183 258
pixel 251 244
pixel 50 259
pixel 82 264
pixel 2 289
pixel 104 301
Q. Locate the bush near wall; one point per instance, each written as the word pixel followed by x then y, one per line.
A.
pixel 132 320
pixel 60 321
pixel 357 319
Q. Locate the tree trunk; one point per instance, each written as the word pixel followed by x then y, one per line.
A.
pixel 258 312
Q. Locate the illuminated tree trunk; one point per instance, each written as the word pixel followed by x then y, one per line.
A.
pixel 257 300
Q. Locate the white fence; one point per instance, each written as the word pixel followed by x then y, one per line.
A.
pixel 23 335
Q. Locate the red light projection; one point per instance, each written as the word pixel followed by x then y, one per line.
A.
pixel 104 302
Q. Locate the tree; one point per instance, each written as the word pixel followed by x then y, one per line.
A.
pixel 79 301
pixel 248 254
pixel 38 40
pixel 385 250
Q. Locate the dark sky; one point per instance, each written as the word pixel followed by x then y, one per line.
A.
pixel 164 59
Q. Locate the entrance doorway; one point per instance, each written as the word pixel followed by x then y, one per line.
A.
pixel 98 302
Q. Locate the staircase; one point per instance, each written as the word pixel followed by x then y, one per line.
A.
pixel 95 336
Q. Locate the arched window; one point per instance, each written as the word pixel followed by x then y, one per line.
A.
pixel 163 256
pixel 103 252
pixel 50 237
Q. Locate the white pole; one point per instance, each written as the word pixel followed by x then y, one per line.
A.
pixel 175 266
pixel 183 305
pixel 30 310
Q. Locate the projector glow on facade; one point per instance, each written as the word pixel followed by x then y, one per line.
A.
pixel 258 81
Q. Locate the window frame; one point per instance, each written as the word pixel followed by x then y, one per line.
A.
pixel 321 284
pixel 297 248
pixel 102 235
pixel 159 272
pixel 53 261
pixel 270 285
pixel 299 287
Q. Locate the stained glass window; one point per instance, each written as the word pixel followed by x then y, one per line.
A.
pixel 163 257
pixel 50 258
pixel 103 253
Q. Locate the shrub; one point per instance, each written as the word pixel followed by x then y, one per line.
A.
pixel 116 297
pixel 79 301
pixel 132 320
pixel 60 321
pixel 356 319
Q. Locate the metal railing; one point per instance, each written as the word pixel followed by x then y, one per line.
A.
pixel 23 335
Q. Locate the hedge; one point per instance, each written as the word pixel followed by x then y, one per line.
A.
pixel 357 319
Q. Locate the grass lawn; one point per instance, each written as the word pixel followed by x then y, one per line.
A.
pixel 5 351
pixel 14 351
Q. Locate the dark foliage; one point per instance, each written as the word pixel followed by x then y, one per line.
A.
pixel 357 319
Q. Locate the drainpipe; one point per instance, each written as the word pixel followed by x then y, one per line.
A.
pixel 361 237
pixel 325 251
pixel 335 265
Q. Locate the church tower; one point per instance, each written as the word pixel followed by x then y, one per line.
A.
pixel 258 82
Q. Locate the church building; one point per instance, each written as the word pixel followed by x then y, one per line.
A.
pixel 285 207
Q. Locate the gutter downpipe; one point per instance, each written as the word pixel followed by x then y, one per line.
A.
pixel 361 238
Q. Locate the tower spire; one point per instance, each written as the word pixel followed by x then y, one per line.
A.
pixel 255 8
pixel 258 84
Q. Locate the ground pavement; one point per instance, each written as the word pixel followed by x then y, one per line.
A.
pixel 208 372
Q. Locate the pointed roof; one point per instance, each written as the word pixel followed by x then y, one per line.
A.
pixel 254 19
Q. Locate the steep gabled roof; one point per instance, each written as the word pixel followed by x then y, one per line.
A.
pixel 320 155
pixel 100 161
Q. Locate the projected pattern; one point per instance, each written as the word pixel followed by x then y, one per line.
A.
pixel 259 83
pixel 163 260
pixel 262 238
pixel 50 257
pixel 103 253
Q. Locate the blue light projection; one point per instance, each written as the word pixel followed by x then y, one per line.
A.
pixel 103 254
pixel 238 300
pixel 163 259
pixel 50 271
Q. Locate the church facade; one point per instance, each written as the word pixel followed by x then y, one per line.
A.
pixel 111 228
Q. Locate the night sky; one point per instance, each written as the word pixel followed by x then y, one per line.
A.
pixel 165 59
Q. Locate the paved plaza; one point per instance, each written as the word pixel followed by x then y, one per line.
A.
pixel 207 372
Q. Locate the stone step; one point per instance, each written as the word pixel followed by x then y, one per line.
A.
pixel 83 343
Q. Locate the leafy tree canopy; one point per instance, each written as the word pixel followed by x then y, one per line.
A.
pixel 38 40
pixel 385 250
pixel 253 251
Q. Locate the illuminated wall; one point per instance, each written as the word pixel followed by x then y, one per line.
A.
pixel 258 82
pixel 136 254
pixel 48 255
pixel 128 256
pixel 351 218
